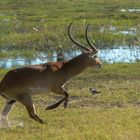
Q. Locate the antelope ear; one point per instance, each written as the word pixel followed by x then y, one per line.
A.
pixel 88 52
pixel 92 54
pixel 83 51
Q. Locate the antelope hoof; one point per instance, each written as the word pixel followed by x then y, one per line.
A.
pixel 41 121
pixel 66 103
pixel 36 118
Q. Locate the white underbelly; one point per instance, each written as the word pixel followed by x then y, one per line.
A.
pixel 37 90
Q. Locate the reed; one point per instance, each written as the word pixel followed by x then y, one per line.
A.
pixel 43 24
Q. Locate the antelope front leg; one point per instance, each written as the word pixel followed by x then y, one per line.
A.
pixel 64 87
pixel 65 100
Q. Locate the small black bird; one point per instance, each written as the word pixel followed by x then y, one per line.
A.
pixel 94 91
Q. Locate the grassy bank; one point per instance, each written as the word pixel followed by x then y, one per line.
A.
pixel 38 25
pixel 111 115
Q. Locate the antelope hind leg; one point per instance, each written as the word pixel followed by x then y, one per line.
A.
pixel 4 115
pixel 27 102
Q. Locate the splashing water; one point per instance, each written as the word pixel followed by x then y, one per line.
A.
pixel 10 124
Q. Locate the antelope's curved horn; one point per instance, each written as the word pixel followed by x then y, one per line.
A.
pixel 88 41
pixel 76 42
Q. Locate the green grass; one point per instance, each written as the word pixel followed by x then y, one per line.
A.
pixel 52 17
pixel 81 124
pixel 111 115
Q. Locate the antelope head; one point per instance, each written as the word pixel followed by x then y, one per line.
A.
pixel 90 54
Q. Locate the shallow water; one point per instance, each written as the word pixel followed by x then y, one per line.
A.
pixel 123 54
pixel 130 10
pixel 120 54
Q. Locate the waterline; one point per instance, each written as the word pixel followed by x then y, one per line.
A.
pixel 124 54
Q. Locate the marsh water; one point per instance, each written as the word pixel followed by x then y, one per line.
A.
pixel 124 54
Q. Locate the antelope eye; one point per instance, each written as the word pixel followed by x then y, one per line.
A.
pixel 95 56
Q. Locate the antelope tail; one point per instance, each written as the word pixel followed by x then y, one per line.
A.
pixel 0 88
pixel 1 94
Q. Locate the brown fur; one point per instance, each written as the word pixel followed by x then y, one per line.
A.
pixel 18 84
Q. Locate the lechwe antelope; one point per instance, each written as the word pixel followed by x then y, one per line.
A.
pixel 21 83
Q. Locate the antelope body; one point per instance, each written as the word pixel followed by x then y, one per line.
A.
pixel 21 83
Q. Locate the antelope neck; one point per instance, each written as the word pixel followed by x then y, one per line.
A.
pixel 74 66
